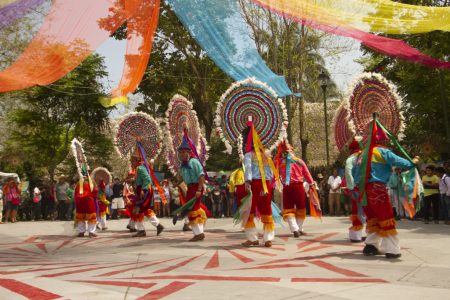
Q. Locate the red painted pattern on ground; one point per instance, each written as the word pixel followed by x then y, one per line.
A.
pixel 334 280
pixel 282 266
pixel 210 278
pixel 141 266
pixel 335 269
pixel 119 283
pixel 214 261
pixel 169 289
pixel 258 251
pixel 241 257
pixel 178 265
pixel 26 290
pixel 315 240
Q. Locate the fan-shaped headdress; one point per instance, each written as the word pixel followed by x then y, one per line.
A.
pixel 99 174
pixel 138 127
pixel 254 100
pixel 181 118
pixel 341 132
pixel 371 93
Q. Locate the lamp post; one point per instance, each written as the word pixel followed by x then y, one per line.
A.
pixel 324 81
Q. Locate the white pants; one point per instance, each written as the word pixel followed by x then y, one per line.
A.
pixel 90 227
pixel 117 203
pixel 103 222
pixel 131 224
pixel 153 220
pixel 295 224
pixel 252 235
pixel 355 235
pixel 197 229
pixel 389 244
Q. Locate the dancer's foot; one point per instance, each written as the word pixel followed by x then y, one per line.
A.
pixel 370 250
pixel 81 234
pixel 186 227
pixel 393 256
pixel 250 243
pixel 296 234
pixel 198 237
pixel 140 233
pixel 159 229
pixel 92 235
pixel 268 244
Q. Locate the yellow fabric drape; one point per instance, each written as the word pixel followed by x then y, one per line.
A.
pixel 366 15
pixel 259 151
pixel 6 2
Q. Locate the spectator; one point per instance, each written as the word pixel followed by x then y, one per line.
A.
pixel 61 197
pixel 1 204
pixel 323 193
pixel 11 193
pixel 36 206
pixel 117 202
pixel 47 202
pixel 70 198
pixel 226 205
pixel 157 202
pixel 217 201
pixel 431 193
pixel 444 191
pixel 168 194
pixel 334 197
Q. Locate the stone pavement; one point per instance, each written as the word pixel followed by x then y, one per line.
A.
pixel 43 260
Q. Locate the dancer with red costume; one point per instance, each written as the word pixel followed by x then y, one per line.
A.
pixel 193 174
pixel 84 195
pixel 102 177
pixel 293 172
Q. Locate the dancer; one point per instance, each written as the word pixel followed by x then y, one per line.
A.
pixel 376 168
pixel 143 199
pixel 193 175
pixel 355 232
pixel 128 197
pixel 84 195
pixel 103 204
pixel 258 179
pixel 293 172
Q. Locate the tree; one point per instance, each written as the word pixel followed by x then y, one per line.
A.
pixel 426 106
pixel 295 51
pixel 52 116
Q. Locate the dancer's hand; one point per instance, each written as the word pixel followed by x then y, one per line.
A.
pixel 198 194
pixel 416 160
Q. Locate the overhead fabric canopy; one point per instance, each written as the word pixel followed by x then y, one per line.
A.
pixel 387 46
pixel 14 10
pixel 72 30
pixel 221 31
pixel 367 15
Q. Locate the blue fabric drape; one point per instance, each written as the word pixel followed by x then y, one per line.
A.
pixel 221 31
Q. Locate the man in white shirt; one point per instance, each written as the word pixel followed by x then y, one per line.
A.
pixel 334 197
pixel 444 191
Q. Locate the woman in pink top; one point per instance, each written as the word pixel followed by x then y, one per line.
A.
pixel 293 172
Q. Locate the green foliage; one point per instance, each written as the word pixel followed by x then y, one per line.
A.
pixel 218 159
pixel 426 105
pixel 50 117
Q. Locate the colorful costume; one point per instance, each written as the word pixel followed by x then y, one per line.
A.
pixel 294 172
pixel 103 205
pixel 194 176
pixel 85 194
pixel 355 232
pixel 237 185
pixel 138 135
pixel 128 198
pixel 86 210
pixel 143 201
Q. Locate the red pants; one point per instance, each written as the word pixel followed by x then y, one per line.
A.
pixel 240 193
pixel 145 208
pixel 380 218
pixel 102 208
pixel 356 222
pixel 197 214
pixel 294 200
pixel 262 202
pixel 85 209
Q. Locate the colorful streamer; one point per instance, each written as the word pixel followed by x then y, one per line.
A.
pixel 12 11
pixel 366 15
pixel 384 45
pixel 221 31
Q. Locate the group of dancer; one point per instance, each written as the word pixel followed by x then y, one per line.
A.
pixel 367 172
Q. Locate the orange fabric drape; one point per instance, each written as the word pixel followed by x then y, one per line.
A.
pixel 73 30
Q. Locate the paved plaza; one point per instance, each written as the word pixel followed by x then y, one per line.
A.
pixel 43 260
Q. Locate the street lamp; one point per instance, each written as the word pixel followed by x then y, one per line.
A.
pixel 324 80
